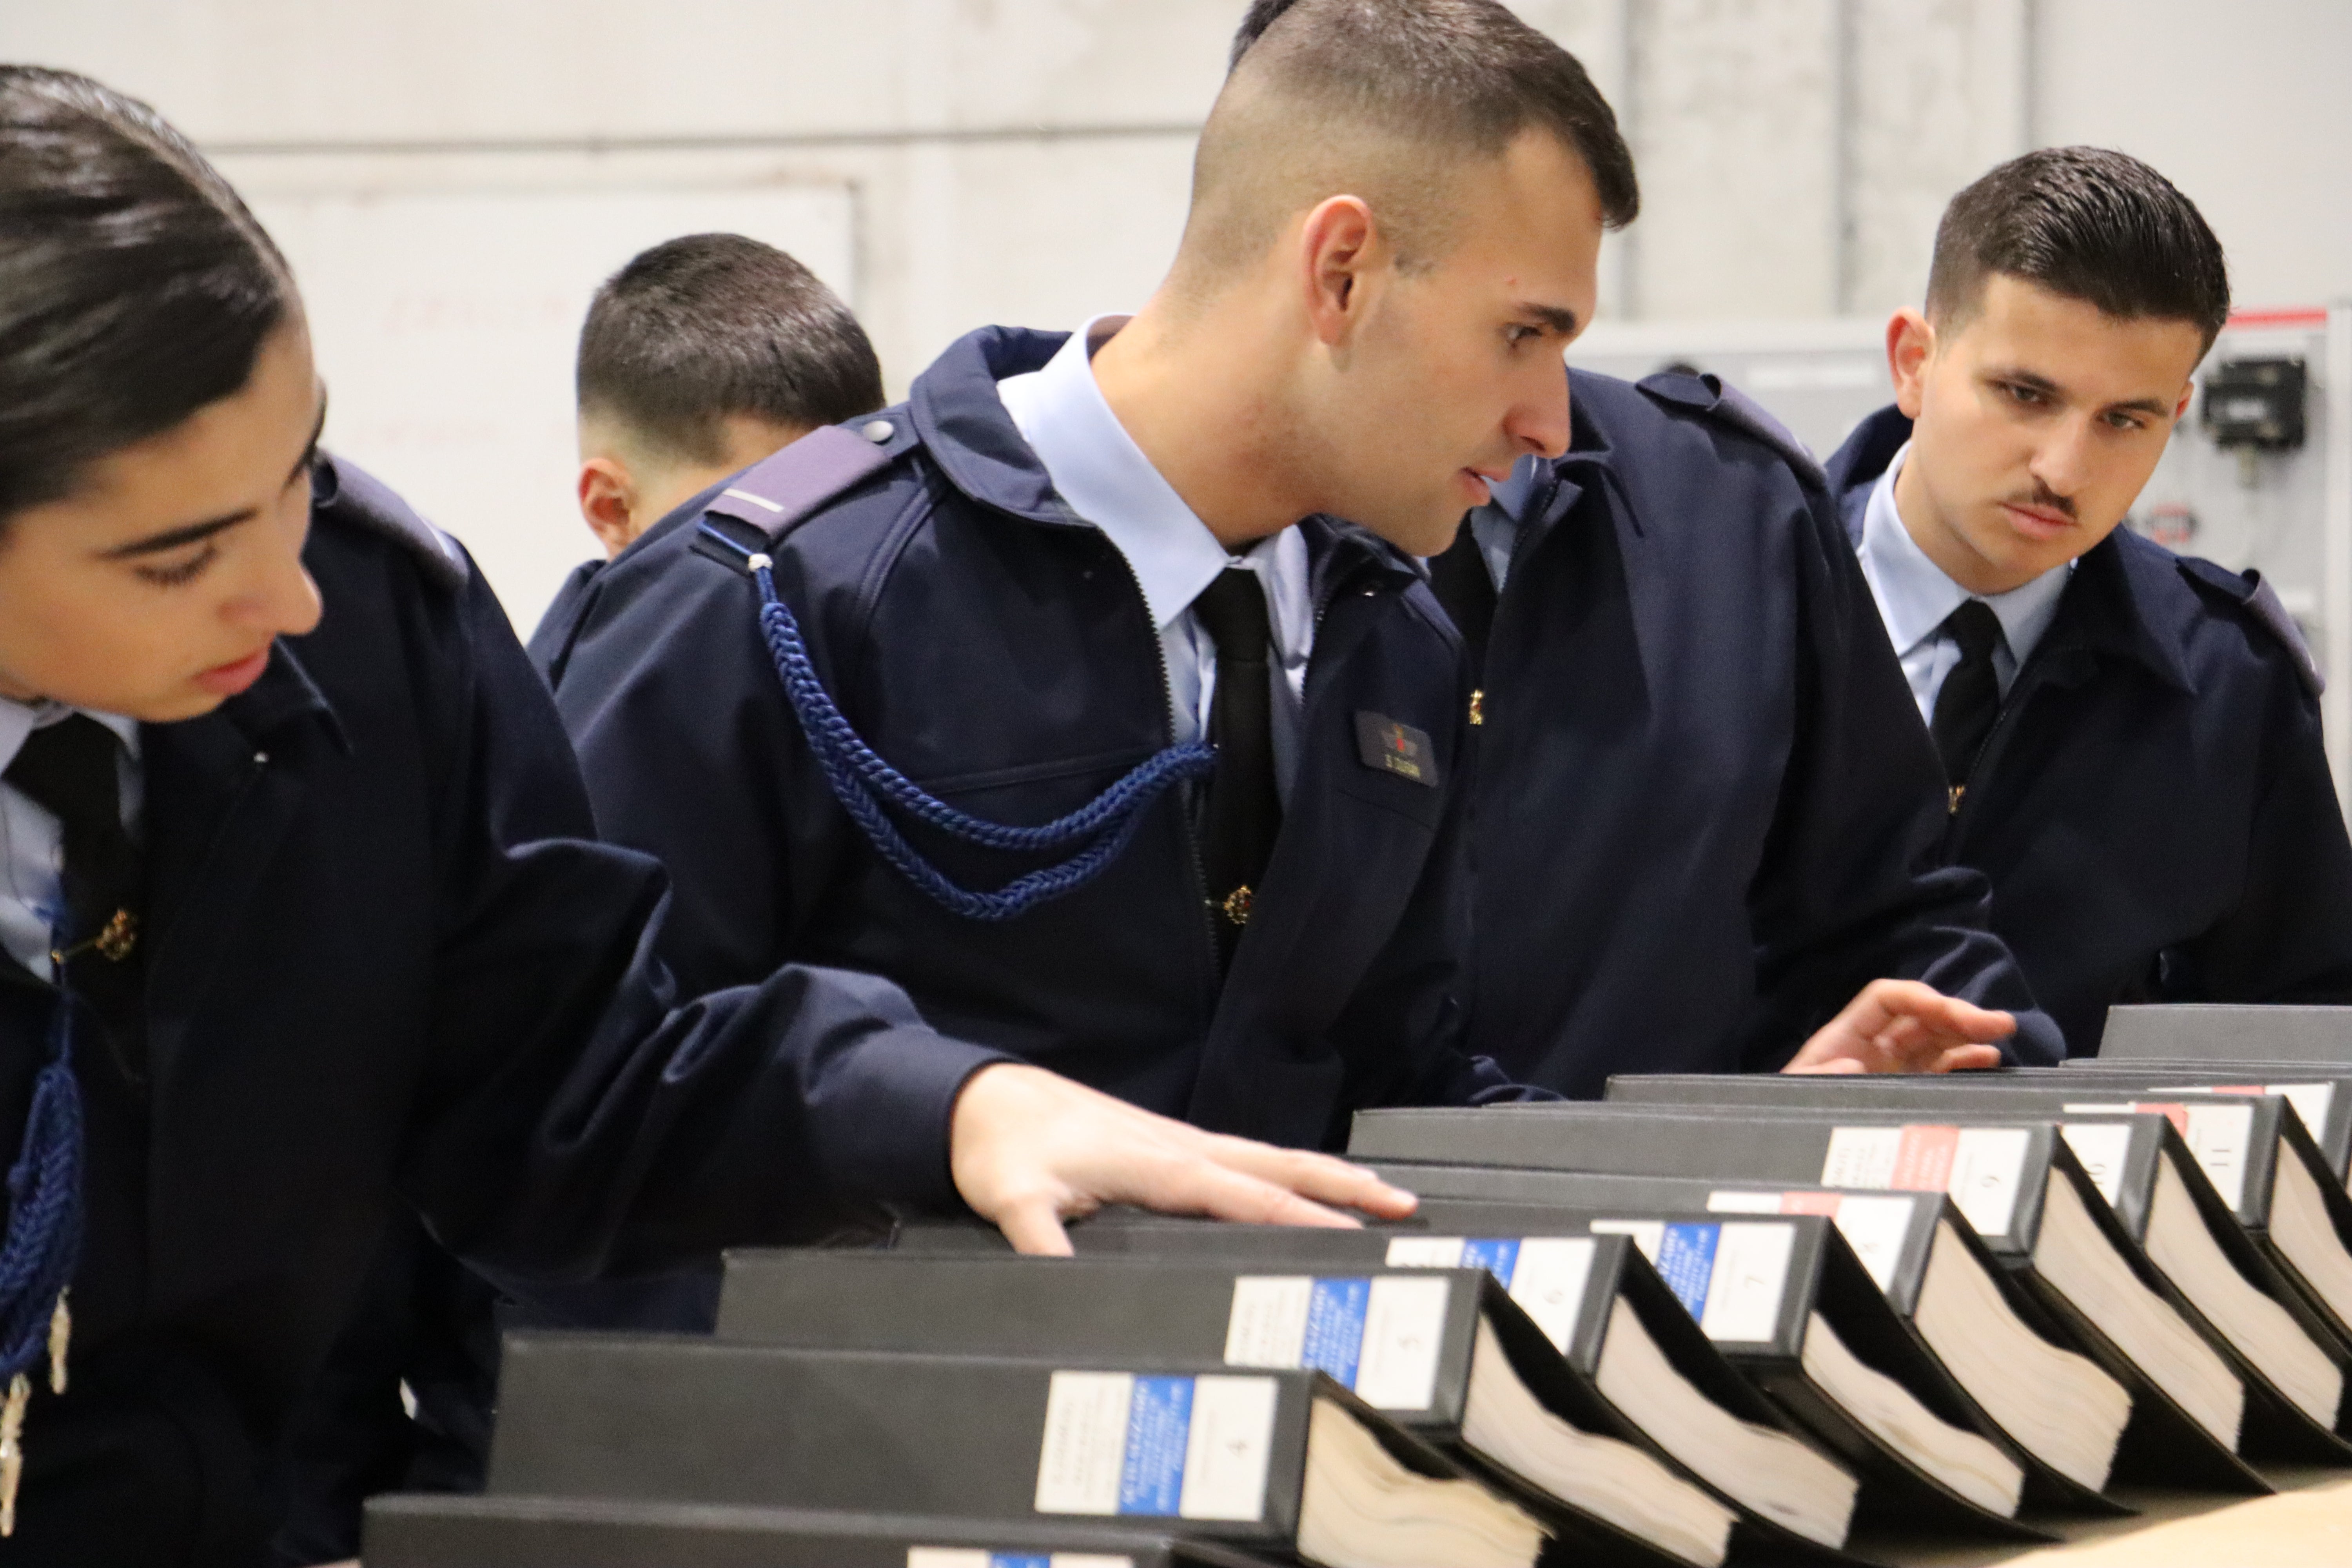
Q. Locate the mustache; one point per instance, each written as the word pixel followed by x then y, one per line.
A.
pixel 2046 498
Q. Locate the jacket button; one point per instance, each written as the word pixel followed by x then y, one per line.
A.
pixel 878 430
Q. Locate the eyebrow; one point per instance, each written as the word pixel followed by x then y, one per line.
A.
pixel 1557 318
pixel 190 534
pixel 2156 406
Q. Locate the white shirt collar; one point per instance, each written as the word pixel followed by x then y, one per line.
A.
pixel 1915 595
pixel 19 719
pixel 1098 468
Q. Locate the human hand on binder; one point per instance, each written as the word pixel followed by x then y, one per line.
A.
pixel 1903 1026
pixel 1030 1149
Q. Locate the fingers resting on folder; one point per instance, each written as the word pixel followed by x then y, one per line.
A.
pixel 1030 1149
pixel 1903 1026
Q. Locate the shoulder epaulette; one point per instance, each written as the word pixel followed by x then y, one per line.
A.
pixel 342 490
pixel 784 489
pixel 1711 396
pixel 2261 601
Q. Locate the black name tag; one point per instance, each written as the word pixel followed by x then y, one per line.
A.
pixel 1382 743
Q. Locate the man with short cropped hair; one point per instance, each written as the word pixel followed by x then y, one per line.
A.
pixel 698 358
pixel 2130 739
pixel 1701 828
pixel 925 698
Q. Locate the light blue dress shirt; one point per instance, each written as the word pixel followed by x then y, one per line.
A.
pixel 1915 597
pixel 32 842
pixel 1495 526
pixel 1106 479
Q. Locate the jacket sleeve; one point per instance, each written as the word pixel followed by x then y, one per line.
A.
pixel 578 1112
pixel 2289 937
pixel 1852 887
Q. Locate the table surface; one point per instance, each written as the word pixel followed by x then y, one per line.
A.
pixel 2307 1525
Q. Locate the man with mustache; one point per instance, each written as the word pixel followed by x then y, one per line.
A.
pixel 2131 740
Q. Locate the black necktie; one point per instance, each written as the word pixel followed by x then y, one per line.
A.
pixel 1244 810
pixel 68 768
pixel 1970 699
pixel 1465 587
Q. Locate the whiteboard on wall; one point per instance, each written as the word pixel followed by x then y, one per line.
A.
pixel 445 325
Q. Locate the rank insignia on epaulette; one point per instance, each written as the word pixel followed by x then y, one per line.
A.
pixel 1383 744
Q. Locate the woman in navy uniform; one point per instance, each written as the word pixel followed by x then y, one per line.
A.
pixel 303 921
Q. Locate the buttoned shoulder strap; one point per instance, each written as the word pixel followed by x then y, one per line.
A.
pixel 1727 405
pixel 343 491
pixel 2260 601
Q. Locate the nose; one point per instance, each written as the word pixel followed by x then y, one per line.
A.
pixel 279 599
pixel 2063 461
pixel 1537 422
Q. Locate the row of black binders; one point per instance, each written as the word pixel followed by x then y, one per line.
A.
pixel 1752 1319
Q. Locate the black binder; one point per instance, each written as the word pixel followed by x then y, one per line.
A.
pixel 683 1419
pixel 443 1530
pixel 2164 1443
pixel 2321 1096
pixel 1142 1305
pixel 2227 1032
pixel 1820 1270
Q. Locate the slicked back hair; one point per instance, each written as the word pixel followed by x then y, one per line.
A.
pixel 710 326
pixel 1386 99
pixel 2087 223
pixel 135 287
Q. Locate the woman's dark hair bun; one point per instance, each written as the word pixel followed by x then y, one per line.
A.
pixel 134 286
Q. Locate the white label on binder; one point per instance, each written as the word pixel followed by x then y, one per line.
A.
pixel 1874 1227
pixel 965 1557
pixel 1425 1252
pixel 2310 1100
pixel 1862 1157
pixel 1987 1168
pixel 1648 1234
pixel 1721 1201
pixel 1269 1325
pixel 1743 1290
pixel 1548 1283
pixel 1084 1450
pixel 1404 1327
pixel 2217 1136
pixel 1228 1448
pixel 2101 1146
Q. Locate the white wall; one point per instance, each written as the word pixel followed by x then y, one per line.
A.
pixel 1027 160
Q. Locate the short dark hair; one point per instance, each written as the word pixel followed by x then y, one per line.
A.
pixel 2088 222
pixel 710 326
pixel 1469 69
pixel 135 287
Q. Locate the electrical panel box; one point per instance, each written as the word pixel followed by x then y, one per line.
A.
pixel 2258 475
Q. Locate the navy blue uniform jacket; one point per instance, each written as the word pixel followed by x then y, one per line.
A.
pixel 2153 805
pixel 385 966
pixel 994 647
pixel 1706 811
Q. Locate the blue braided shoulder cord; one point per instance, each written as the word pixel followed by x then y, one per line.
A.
pixel 43 1244
pixel 857 775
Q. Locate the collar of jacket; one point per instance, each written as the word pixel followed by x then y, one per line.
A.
pixel 2107 608
pixel 1557 487
pixel 965 430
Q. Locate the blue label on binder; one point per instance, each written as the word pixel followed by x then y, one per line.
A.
pixel 1501 1259
pixel 1159 1420
pixel 1335 1328
pixel 1686 1260
pixel 1018 1560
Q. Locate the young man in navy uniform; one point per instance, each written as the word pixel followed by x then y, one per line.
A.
pixel 2130 740
pixel 1702 825
pixel 699 357
pixel 1024 595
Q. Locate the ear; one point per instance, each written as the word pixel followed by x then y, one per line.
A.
pixel 1337 246
pixel 1910 344
pixel 608 500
